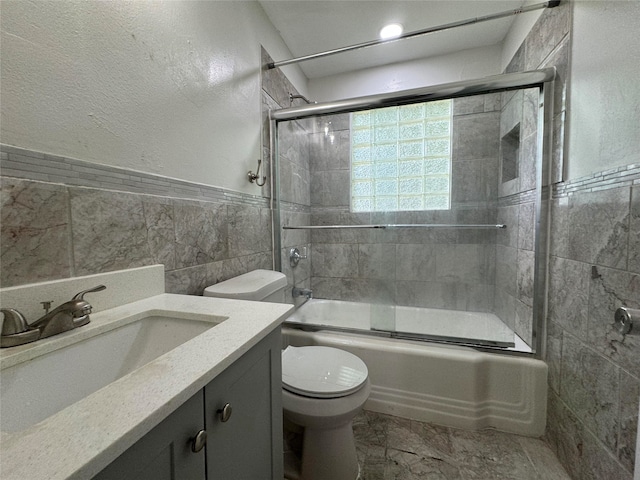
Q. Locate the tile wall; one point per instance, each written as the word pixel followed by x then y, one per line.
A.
pixel 293 174
pixel 594 249
pixel 415 267
pixel 64 217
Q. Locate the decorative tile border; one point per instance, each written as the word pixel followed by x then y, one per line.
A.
pixel 624 176
pixel 37 166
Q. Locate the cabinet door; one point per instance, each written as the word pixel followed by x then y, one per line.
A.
pixel 165 452
pixel 247 446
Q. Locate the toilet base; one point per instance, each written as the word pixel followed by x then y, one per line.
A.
pixel 329 454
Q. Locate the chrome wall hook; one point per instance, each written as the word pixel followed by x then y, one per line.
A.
pixel 253 177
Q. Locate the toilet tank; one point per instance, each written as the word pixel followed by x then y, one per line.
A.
pixel 258 285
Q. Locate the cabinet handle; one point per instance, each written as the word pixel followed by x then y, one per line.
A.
pixel 225 412
pixel 198 442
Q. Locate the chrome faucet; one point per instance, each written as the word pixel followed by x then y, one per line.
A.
pixel 69 315
pixel 302 292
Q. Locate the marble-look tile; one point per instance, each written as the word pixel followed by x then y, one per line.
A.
pixel 491 454
pixel 567 433
pixel 544 461
pixel 34 232
pixel 524 276
pixel 524 322
pixel 466 105
pixel 415 262
pixel 201 233
pixel 511 115
pixel 335 260
pixel 275 83
pixel 465 263
pixel 476 136
pixel 599 465
pixel 159 219
pixel 590 386
pixel 109 231
pixel 377 261
pixel 395 448
pixel 509 216
pixel 527 163
pixel 474 180
pixel 493 102
pixel 426 294
pixel 292 238
pixel 559 227
pixel 552 26
pixel 505 307
pixel 526 226
pixel 337 192
pixel 485 215
pixel 609 290
pixel 554 354
pixel 517 61
pixel 530 109
pixel 340 217
pixel 187 281
pixel 560 60
pixel 428 235
pixel 249 230
pixel 325 155
pixel 634 231
pixel 607 244
pixel 506 269
pixel 629 394
pixel 569 295
pixel 354 289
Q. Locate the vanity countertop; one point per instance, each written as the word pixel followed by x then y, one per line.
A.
pixel 82 439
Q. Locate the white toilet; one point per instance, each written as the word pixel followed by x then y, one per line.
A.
pixel 323 387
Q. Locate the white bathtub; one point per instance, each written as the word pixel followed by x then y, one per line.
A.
pixel 449 385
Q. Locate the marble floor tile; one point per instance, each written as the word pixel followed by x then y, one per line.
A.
pixel 392 448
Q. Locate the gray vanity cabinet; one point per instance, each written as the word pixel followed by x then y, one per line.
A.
pixel 165 452
pixel 244 440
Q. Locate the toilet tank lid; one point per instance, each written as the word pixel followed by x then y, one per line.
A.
pixel 254 285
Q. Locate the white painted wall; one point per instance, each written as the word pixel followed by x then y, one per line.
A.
pixel 604 100
pixel 463 65
pixel 171 88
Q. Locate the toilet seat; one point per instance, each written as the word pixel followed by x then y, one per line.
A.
pixel 322 372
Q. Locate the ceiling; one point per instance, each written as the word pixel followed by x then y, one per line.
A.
pixel 311 26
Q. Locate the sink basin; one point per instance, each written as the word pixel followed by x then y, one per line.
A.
pixel 35 389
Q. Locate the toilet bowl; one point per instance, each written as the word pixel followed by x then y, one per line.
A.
pixel 324 388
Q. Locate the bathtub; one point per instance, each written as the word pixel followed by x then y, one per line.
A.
pixel 448 385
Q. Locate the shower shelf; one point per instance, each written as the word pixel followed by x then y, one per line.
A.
pixel 392 225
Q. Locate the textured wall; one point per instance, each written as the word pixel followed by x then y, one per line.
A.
pixel 171 88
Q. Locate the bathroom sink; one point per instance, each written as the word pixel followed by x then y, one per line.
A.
pixel 35 389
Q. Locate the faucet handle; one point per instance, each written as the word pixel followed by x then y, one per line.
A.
pixel 13 322
pixel 80 296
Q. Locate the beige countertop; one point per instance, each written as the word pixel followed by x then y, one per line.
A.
pixel 82 439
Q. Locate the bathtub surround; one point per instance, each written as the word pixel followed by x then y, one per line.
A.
pixel 292 172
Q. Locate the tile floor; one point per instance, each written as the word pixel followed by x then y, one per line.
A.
pixel 392 448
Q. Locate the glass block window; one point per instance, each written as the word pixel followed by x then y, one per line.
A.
pixel 401 158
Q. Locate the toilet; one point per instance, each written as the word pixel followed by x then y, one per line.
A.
pixel 324 388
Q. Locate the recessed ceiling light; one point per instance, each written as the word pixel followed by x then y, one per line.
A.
pixel 393 30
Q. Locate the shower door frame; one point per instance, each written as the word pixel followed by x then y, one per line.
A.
pixel 543 79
